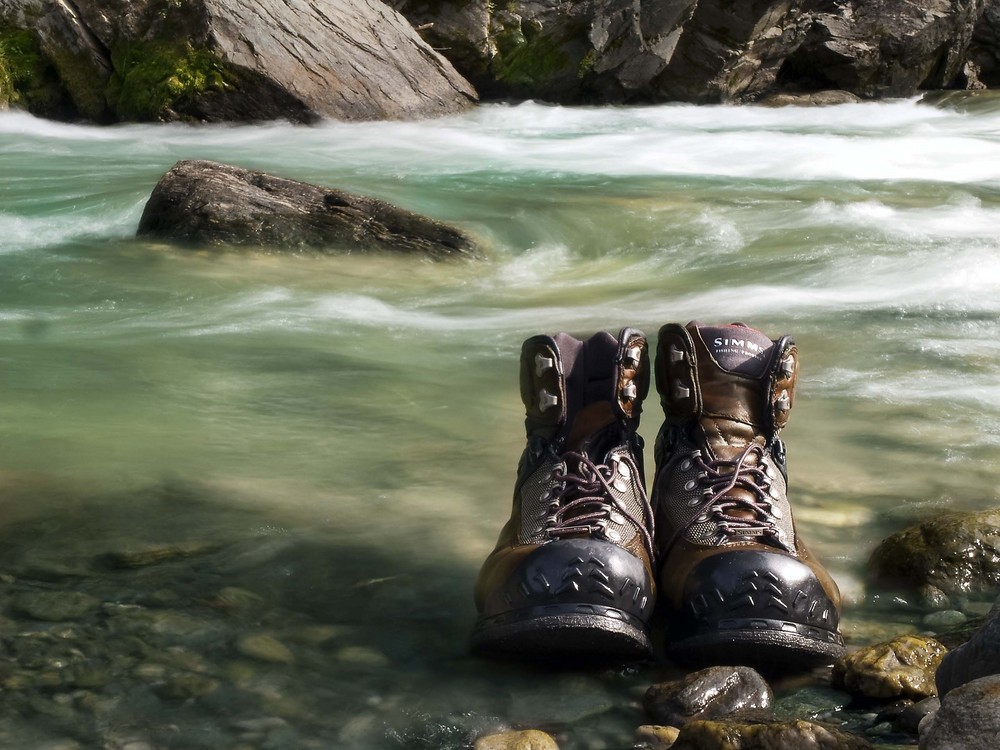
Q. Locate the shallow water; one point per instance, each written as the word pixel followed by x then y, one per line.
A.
pixel 350 424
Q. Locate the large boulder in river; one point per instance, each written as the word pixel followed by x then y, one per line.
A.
pixel 204 203
pixel 954 552
pixel 702 50
pixel 223 60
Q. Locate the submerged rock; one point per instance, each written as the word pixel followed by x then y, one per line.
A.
pixel 223 60
pixel 969 718
pixel 954 552
pixel 708 694
pixel 764 735
pixel 902 667
pixel 206 203
pixel 54 606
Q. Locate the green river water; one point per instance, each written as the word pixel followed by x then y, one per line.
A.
pixel 340 432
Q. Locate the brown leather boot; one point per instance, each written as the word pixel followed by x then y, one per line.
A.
pixel 736 581
pixel 571 574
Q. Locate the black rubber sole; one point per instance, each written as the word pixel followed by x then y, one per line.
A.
pixel 761 643
pixel 581 632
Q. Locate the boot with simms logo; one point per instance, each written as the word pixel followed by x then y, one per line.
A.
pixel 571 575
pixel 736 581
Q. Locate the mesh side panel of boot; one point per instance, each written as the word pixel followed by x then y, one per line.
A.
pixel 626 486
pixel 536 494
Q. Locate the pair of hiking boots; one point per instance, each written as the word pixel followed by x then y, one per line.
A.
pixel 585 558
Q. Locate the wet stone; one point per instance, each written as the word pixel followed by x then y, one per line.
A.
pixel 708 694
pixel 529 739
pixel 654 737
pixel 362 656
pixel 757 735
pixel 809 703
pixel 902 667
pixel 264 648
pixel 969 718
pixel 144 555
pixel 54 606
pixel 185 685
pixel 947 618
pixel 909 718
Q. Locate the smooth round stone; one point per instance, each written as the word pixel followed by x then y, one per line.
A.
pixel 947 618
pixel 654 737
pixel 903 667
pixel 528 739
pixel 266 648
pixel 54 606
pixel 362 656
pixel 707 694
pixel 187 685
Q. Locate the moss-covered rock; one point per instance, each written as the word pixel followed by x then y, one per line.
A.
pixel 955 552
pixel 28 78
pixel 903 667
pixel 160 80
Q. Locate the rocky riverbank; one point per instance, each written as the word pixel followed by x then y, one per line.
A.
pixel 216 60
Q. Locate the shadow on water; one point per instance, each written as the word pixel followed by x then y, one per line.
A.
pixel 170 615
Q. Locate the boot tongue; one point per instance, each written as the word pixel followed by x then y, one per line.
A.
pixel 732 363
pixel 737 348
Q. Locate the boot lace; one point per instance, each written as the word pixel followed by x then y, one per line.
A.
pixel 734 516
pixel 584 500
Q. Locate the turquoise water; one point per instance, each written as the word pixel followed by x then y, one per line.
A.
pixel 359 418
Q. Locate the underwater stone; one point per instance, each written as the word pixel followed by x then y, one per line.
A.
pixel 707 694
pixel 764 735
pixel 265 648
pixel 54 606
pixel 903 667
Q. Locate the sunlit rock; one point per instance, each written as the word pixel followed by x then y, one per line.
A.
pixel 902 667
pixel 223 60
pixel 654 737
pixel 205 203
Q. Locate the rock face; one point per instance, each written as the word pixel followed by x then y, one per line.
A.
pixel 223 60
pixel 205 203
pixel 903 667
pixel 709 50
pixel 954 552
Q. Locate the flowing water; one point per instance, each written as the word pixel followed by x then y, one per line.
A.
pixel 340 432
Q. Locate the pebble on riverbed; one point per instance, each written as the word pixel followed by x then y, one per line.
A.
pixel 528 739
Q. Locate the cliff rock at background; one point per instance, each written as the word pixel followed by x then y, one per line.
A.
pixel 614 51
pixel 221 60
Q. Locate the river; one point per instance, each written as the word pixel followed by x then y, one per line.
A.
pixel 340 432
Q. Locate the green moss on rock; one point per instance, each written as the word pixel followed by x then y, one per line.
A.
pixel 27 77
pixel 154 80
pixel 529 60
